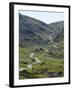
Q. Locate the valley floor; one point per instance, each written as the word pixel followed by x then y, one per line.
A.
pixel 37 63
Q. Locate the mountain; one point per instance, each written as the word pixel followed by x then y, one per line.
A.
pixel 32 31
pixel 58 33
pixel 41 48
pixel 57 25
pixel 56 44
pixel 35 32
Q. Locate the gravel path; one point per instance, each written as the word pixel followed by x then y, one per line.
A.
pixel 29 66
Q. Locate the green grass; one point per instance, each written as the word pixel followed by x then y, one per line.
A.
pixel 48 64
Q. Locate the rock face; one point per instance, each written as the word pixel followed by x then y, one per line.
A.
pixel 58 33
pixel 34 32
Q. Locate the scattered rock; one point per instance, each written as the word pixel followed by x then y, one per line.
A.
pixel 29 66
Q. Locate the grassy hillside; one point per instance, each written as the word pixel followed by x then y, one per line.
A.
pixel 41 48
pixel 47 66
pixel 32 31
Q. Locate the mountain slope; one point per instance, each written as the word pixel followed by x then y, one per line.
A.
pixel 58 33
pixel 41 48
pixel 56 44
pixel 35 32
pixel 32 31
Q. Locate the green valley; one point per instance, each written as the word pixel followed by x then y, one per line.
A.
pixel 41 48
